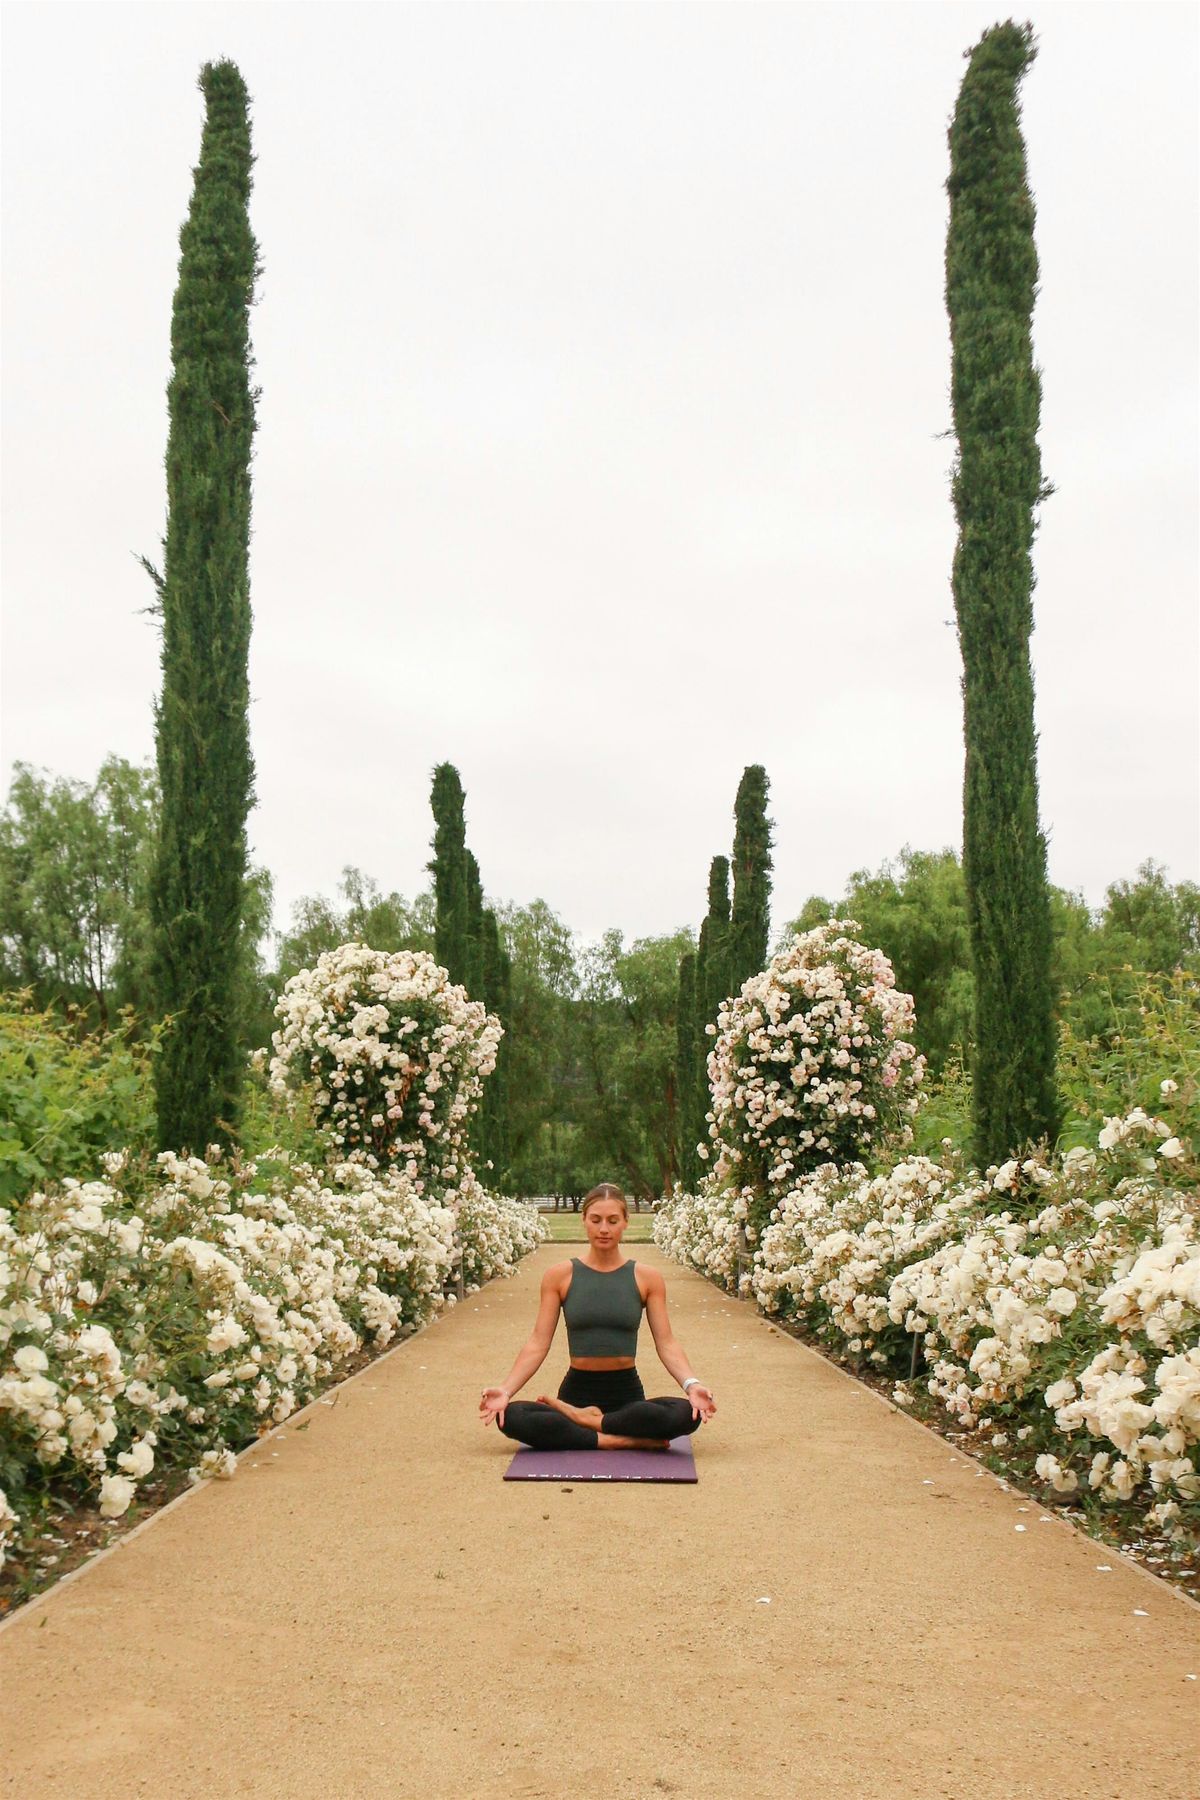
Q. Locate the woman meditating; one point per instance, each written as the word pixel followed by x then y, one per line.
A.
pixel 601 1404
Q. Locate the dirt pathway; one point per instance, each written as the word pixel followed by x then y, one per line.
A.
pixel 366 1609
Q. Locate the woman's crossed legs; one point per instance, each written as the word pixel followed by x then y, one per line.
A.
pixel 619 1417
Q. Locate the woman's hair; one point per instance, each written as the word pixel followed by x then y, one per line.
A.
pixel 607 1190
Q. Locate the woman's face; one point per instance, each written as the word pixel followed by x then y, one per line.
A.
pixel 605 1222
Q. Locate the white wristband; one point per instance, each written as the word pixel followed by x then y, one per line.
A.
pixel 690 1380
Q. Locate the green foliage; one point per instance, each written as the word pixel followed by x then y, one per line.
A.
pixel 287 1122
pixel 452 900
pixel 750 916
pixel 714 966
pixel 74 862
pixel 711 979
pixel 687 1134
pixel 991 278
pixel 1149 924
pixel 469 947
pixel 1151 1035
pixel 945 1111
pixel 915 910
pixel 67 1094
pixel 385 921
pixel 205 769
pixel 542 1076
pixel 495 980
pixel 472 977
pixel 628 1048
pixel 75 866
pixel 732 947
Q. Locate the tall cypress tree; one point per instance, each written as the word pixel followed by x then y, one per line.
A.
pixel 449 870
pixel 468 944
pixel 496 969
pixel 686 1136
pixel 710 987
pixel 991 282
pixel 202 734
pixel 750 920
pixel 714 933
pixel 472 976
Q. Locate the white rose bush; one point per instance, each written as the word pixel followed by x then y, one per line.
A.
pixel 704 1230
pixel 1053 1303
pixel 164 1318
pixel 397 1053
pixel 810 1064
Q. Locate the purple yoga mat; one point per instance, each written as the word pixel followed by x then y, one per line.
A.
pixel 675 1464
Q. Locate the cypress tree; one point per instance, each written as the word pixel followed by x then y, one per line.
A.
pixel 497 996
pixel 468 944
pixel 202 736
pixel 750 920
pixel 449 871
pixel 714 933
pixel 711 986
pixel 991 281
pixel 686 1136
pixel 472 976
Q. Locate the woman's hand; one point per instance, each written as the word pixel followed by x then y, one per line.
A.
pixel 702 1401
pixel 492 1404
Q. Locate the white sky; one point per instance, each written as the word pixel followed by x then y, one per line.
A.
pixel 604 360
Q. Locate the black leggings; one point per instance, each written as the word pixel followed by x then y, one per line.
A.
pixel 622 1400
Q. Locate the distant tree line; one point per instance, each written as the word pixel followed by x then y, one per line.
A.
pixel 593 1031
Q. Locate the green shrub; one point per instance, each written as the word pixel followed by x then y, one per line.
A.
pixel 1152 1035
pixel 68 1093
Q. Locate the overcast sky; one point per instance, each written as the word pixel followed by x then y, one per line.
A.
pixel 601 452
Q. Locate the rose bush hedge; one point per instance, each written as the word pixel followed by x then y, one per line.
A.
pixel 1056 1300
pixel 810 1065
pixel 167 1322
pixel 167 1314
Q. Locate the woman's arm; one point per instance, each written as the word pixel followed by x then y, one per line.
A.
pixel 670 1351
pixel 537 1347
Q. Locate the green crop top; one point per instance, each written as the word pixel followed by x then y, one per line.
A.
pixel 603 1310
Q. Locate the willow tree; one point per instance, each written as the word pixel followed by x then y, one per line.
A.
pixel 991 282
pixel 197 886
pixel 750 917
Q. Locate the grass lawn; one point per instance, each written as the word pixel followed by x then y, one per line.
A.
pixel 567 1228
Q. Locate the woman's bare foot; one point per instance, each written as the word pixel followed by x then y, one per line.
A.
pixel 604 1441
pixel 591 1416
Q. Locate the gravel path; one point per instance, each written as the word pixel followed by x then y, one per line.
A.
pixel 367 1609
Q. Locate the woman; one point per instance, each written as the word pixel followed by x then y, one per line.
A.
pixel 601 1404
